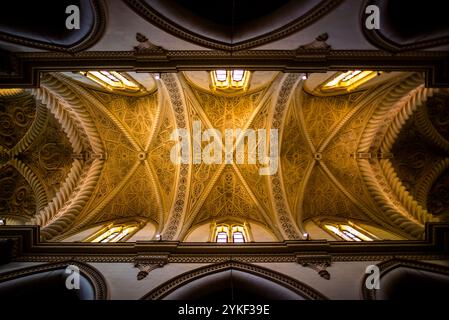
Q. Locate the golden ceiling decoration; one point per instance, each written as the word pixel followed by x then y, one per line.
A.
pixel 82 157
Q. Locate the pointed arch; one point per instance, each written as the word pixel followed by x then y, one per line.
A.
pixel 293 285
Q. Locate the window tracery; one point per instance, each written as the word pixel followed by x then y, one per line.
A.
pixel 349 232
pixel 232 233
pixel 112 80
pixel 347 81
pixel 113 233
pixel 230 80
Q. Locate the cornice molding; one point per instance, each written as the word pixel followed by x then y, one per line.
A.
pixel 28 66
pixel 28 247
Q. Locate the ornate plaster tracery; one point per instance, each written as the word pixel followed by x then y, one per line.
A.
pixel 86 157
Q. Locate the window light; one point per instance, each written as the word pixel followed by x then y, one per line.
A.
pixel 222 237
pixel 112 80
pixel 221 75
pixel 226 233
pixel 230 81
pixel 238 237
pixel 348 233
pixel 114 234
pixel 237 75
pixel 348 80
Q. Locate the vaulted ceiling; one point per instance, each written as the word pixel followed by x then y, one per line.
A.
pixel 75 156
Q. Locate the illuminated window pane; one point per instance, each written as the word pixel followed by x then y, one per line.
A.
pixel 112 80
pixel 122 234
pixel 221 75
pixel 238 237
pixel 350 235
pixel 335 81
pixel 226 80
pixel 237 75
pixel 222 237
pixel 114 234
pixel 123 80
pixel 110 237
pixel 349 80
pixel 337 231
pixel 356 233
pixel 110 76
pixel 350 75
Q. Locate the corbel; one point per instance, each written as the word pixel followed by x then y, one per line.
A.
pixel 317 262
pixel 147 263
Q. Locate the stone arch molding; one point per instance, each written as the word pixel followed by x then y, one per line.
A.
pixel 56 215
pixel 97 280
pixel 398 206
pixel 169 22
pixel 98 10
pixel 173 90
pixel 389 265
pixel 177 282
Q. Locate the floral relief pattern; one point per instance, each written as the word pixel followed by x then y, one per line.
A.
pixel 16 195
pixel 16 116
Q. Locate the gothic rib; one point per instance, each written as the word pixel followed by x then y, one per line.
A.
pixel 150 172
pixel 277 115
pixel 33 180
pixel 370 140
pixel 172 87
pixel 87 96
pixel 78 187
pixel 424 186
pixel 428 130
pixel 33 132
pixel 415 99
pixel 194 211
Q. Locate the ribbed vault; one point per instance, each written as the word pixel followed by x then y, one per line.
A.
pixel 73 156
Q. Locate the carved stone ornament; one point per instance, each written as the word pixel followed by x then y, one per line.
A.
pixel 318 44
pixel 319 263
pixel 146 264
pixel 144 44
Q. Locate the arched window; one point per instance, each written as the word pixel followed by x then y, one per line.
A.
pixel 230 233
pixel 112 80
pixel 230 80
pixel 347 81
pixel 113 233
pixel 238 234
pixel 222 234
pixel 349 232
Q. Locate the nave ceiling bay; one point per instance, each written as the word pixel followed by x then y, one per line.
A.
pixel 75 155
